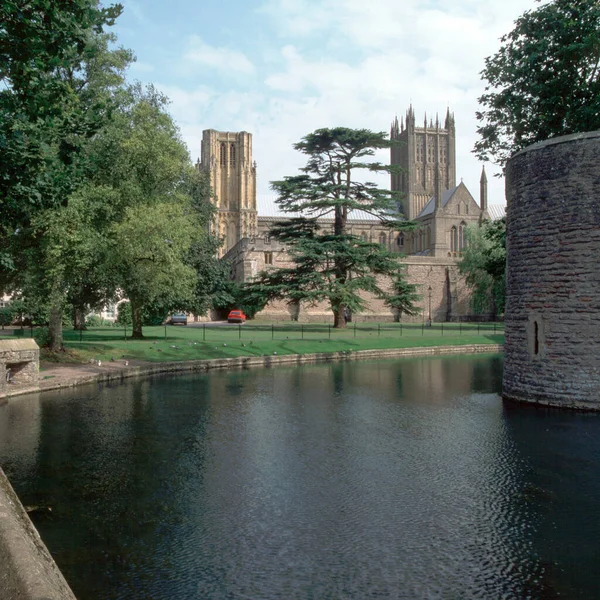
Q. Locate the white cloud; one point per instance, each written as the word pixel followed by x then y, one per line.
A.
pixel 348 63
pixel 222 59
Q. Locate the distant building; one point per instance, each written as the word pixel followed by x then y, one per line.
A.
pixel 426 184
pixel 227 157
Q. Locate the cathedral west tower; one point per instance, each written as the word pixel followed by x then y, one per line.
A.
pixel 427 156
pixel 227 157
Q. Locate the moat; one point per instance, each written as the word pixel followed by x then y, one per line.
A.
pixel 392 479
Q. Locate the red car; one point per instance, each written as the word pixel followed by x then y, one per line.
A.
pixel 236 316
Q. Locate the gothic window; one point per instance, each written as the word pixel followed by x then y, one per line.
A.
pixel 428 238
pixel 462 236
pixel 268 258
pixel 453 240
pixel 267 239
pixel 232 155
pixel 363 236
pixel 467 208
pixel 232 235
pixel 458 208
pixel 421 241
pixel 223 154
pixel 382 239
pixel 400 240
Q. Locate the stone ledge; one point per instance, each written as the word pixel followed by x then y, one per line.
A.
pixel 246 362
pixel 27 570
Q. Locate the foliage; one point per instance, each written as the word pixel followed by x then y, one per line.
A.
pixel 42 337
pixel 483 262
pixel 331 265
pixel 403 296
pixel 94 321
pixel 6 316
pixel 50 57
pixel 544 81
pixel 123 314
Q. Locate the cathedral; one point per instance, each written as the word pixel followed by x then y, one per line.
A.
pixel 425 181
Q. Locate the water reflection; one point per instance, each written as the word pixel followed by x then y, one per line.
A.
pixel 391 479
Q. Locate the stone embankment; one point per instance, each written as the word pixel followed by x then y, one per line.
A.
pixel 74 375
pixel 27 570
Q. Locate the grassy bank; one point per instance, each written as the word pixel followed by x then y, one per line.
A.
pixel 227 341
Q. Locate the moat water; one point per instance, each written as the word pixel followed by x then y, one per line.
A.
pixel 392 479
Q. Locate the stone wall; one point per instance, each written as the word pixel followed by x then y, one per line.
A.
pixel 27 571
pixel 552 320
pixel 19 365
pixel 450 297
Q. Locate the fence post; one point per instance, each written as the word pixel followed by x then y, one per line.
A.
pixel 478 328
pixel 240 331
pixel 401 329
pixel 442 330
pixel 203 332
pixel 329 329
pixel 165 331
pixel 272 331
pixel 125 326
pixel 354 328
pixel 423 329
pixel 302 330
pixel 460 328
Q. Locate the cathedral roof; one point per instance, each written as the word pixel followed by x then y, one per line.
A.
pixel 496 211
pixel 268 209
pixel 429 208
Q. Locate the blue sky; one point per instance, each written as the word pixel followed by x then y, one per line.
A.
pixel 282 68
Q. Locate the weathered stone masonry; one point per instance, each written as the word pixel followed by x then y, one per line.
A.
pixel 19 365
pixel 552 321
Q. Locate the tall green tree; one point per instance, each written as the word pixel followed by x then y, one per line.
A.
pixel 332 264
pixel 544 81
pixel 483 262
pixel 47 50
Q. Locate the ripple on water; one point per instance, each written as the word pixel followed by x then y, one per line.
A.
pixel 354 481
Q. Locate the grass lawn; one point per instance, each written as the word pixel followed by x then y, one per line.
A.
pixel 227 341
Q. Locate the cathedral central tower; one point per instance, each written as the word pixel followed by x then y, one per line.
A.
pixel 427 156
pixel 227 157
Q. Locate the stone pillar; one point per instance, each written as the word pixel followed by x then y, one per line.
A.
pixel 552 319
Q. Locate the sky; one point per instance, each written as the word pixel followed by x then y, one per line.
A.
pixel 280 69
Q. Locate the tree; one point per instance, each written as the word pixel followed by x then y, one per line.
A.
pixel 43 49
pixel 61 82
pixel 403 297
pixel 483 262
pixel 544 81
pixel 331 265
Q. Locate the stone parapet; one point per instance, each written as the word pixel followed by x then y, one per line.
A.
pixel 27 571
pixel 552 320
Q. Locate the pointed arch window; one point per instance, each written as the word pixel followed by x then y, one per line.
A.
pixel 382 239
pixel 462 236
pixel 400 240
pixel 232 155
pixel 428 238
pixel 454 239
pixel 223 154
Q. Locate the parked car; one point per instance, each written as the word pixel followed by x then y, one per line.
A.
pixel 179 319
pixel 236 316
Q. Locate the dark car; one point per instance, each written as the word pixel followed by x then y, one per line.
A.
pixel 179 319
pixel 236 316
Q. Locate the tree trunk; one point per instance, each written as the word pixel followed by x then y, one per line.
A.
pixel 339 322
pixel 79 319
pixel 136 318
pixel 55 329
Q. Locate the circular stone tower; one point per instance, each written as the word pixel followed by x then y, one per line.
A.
pixel 552 321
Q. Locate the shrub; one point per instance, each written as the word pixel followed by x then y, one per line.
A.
pixel 42 337
pixel 94 321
